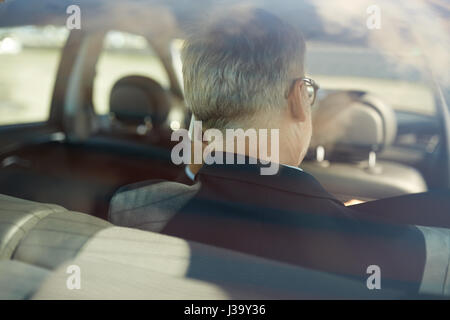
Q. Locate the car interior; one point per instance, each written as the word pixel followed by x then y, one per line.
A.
pixel 132 141
pixel 40 241
pixel 346 155
pixel 135 145
pixel 59 176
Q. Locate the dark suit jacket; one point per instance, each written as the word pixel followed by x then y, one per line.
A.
pixel 287 217
pixel 290 217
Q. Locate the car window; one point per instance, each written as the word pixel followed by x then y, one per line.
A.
pixel 29 58
pixel 124 54
pixel 360 68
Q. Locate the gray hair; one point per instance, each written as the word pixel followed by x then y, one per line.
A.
pixel 239 67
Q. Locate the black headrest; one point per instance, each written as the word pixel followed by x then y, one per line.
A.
pixel 353 123
pixel 136 99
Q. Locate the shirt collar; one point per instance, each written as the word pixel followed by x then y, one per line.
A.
pixel 189 173
pixel 292 167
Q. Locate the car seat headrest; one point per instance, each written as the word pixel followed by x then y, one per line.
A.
pixel 351 124
pixel 135 100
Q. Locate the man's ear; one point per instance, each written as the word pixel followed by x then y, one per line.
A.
pixel 297 103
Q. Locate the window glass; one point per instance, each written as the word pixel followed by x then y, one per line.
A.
pixel 339 67
pixel 29 59
pixel 124 54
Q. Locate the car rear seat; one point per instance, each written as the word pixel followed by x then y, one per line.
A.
pixel 20 280
pixel 39 241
